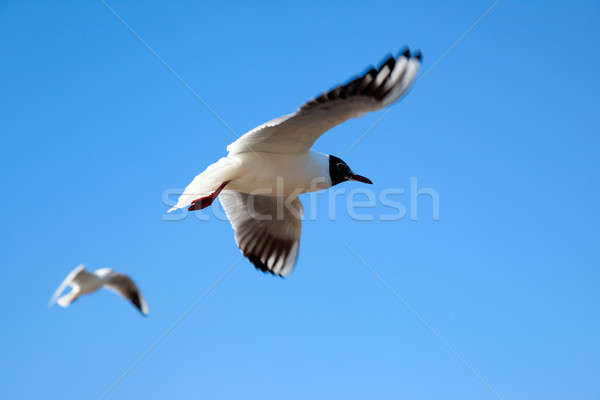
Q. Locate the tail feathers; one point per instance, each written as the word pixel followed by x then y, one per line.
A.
pixel 208 181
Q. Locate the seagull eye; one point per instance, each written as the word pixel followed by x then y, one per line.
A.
pixel 343 168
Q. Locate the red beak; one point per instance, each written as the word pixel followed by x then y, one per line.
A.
pixel 360 178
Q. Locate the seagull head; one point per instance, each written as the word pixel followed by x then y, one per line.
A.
pixel 340 172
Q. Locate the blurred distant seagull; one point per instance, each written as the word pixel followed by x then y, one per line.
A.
pixel 82 282
pixel 270 165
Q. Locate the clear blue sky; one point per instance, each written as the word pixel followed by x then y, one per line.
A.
pixel 505 128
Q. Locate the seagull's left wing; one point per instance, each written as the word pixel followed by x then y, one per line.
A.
pixel 68 281
pixel 267 229
pixel 296 133
pixel 124 286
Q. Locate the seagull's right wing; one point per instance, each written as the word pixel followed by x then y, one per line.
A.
pixel 69 280
pixel 373 90
pixel 267 230
pixel 124 286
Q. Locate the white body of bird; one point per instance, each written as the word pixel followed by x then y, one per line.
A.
pixel 275 174
pixel 266 174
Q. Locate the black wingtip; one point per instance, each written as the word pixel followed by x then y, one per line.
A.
pixel 389 58
pixel 418 55
pixel 262 267
pixel 406 52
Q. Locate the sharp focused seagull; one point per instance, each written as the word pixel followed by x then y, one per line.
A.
pixel 83 282
pixel 270 165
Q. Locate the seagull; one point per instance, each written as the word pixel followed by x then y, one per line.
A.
pixel 268 167
pixel 83 282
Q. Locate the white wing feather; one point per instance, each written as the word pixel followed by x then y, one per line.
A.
pixel 69 281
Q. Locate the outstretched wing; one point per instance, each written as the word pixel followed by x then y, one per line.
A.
pixel 296 133
pixel 124 286
pixel 267 229
pixel 69 280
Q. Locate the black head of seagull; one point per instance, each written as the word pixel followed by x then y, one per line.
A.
pixel 340 172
